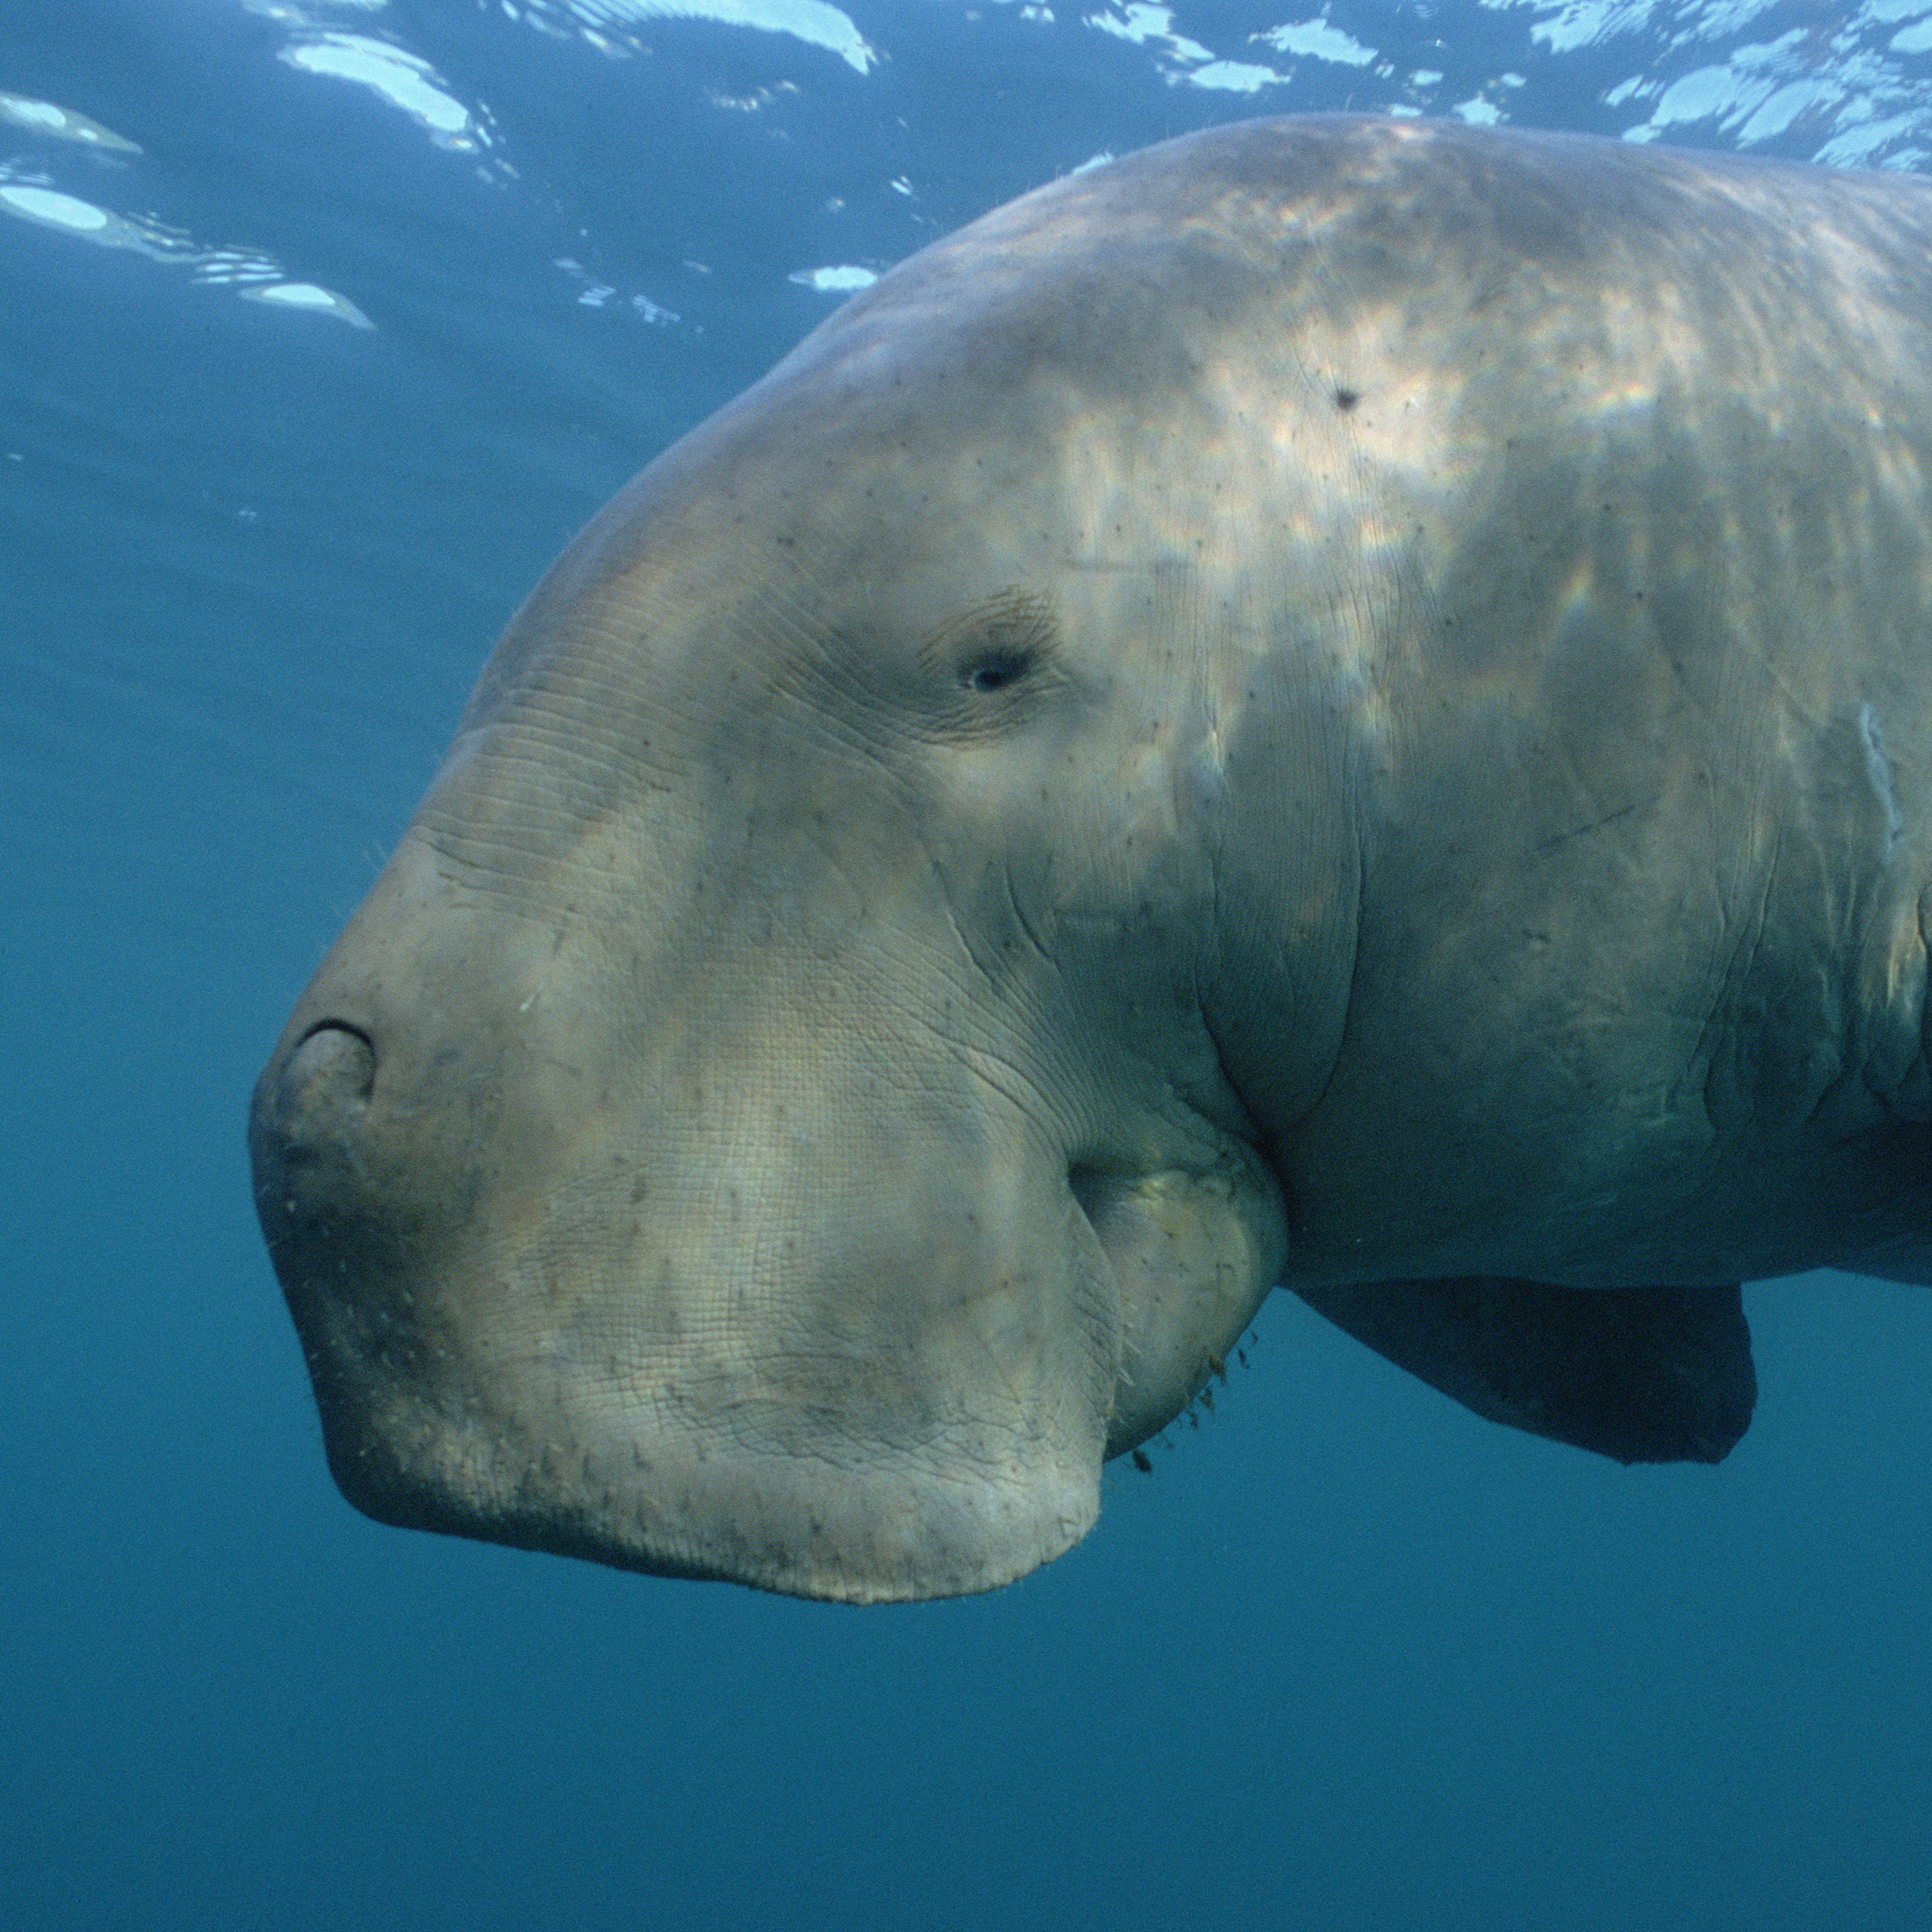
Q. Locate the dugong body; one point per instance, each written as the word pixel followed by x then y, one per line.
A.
pixel 1338 702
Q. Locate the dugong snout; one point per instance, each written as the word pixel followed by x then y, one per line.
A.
pixel 361 1193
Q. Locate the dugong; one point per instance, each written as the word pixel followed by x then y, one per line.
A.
pixel 1342 703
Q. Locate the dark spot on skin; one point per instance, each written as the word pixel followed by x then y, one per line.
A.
pixel 1345 399
pixel 1144 1462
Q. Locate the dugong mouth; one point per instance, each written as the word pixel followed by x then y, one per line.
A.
pixel 906 1395
pixel 525 1359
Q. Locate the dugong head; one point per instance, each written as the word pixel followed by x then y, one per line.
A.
pixel 789 1109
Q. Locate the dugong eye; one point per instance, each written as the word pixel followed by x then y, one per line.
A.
pixel 985 670
pixel 993 644
pixel 997 669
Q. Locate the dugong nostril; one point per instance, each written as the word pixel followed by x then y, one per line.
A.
pixel 333 1067
pixel 319 1098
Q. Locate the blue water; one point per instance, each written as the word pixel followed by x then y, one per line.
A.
pixel 1350 1657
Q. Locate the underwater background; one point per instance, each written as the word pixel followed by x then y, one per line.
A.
pixel 323 324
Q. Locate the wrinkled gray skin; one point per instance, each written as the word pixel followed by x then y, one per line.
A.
pixel 1336 703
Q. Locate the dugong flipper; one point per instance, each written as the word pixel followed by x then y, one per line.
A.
pixel 1643 1374
pixel 1340 702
